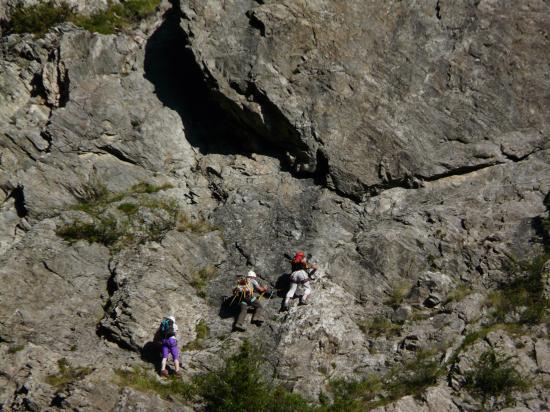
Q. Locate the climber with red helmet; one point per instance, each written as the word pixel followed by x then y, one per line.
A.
pixel 302 273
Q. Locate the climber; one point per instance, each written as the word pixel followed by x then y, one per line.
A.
pixel 302 274
pixel 167 333
pixel 244 292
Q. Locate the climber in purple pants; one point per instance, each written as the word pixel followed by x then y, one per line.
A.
pixel 168 330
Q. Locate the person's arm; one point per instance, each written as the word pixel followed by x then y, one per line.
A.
pixel 258 288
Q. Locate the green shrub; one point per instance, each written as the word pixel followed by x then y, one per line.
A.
pixel 38 18
pixel 523 296
pixel 410 378
pixel 414 376
pixel 241 385
pixel 494 377
pixel 352 396
pixel 67 374
pixel 200 278
pixel 145 381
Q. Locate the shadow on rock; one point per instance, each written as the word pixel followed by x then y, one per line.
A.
pixel 152 350
pixel 229 308
pixel 181 85
pixel 282 285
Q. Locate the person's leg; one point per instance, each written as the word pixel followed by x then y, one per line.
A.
pixel 242 316
pixel 165 352
pixel 258 316
pixel 174 350
pixel 289 295
pixel 307 291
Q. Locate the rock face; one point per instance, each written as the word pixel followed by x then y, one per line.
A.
pixel 378 94
pixel 403 144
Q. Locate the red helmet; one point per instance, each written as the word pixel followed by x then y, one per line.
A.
pixel 298 257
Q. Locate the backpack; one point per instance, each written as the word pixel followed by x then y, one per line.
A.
pixel 167 328
pixel 243 290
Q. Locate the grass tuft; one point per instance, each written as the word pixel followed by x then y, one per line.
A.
pixel 15 348
pixel 67 374
pixel 399 290
pixel 200 278
pixel 145 381
pixel 185 223
pixel 105 231
pixel 144 218
pixel 202 331
pixel 380 326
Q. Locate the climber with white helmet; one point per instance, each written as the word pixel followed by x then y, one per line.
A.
pixel 167 332
pixel 302 274
pixel 245 294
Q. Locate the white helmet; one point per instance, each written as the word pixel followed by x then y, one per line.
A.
pixel 251 274
pixel 171 317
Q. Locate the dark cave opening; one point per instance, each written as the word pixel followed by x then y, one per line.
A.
pixel 212 122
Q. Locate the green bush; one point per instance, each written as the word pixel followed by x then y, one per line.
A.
pixel 410 378
pixel 352 396
pixel 241 386
pixel 523 296
pixel 414 376
pixel 38 18
pixel 67 374
pixel 494 377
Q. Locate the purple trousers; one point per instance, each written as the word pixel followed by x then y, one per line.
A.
pixel 170 345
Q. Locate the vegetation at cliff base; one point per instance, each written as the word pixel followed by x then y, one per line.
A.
pixel 39 18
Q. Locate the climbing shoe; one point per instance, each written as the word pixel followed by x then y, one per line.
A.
pixel 239 328
pixel 178 373
pixel 164 373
